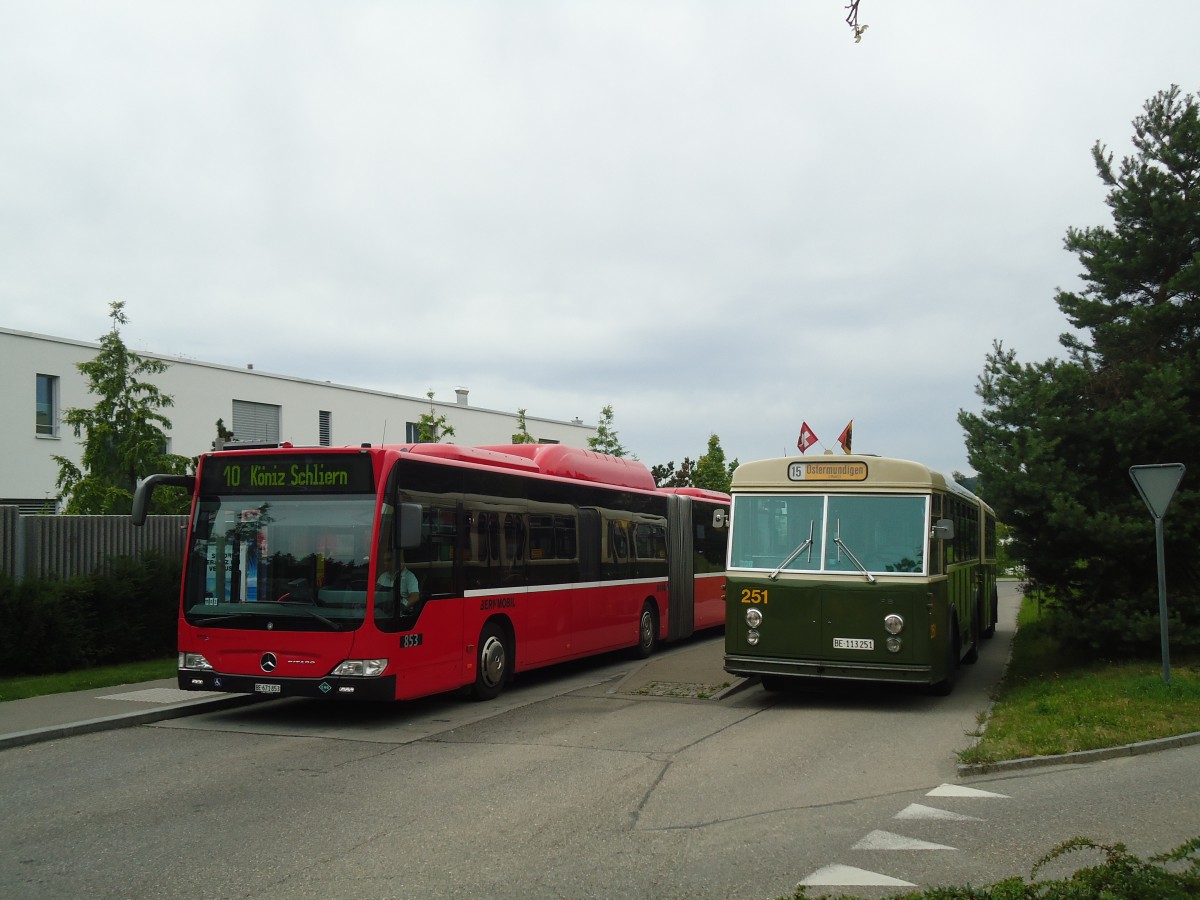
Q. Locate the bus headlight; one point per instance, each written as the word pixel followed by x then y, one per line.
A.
pixel 193 661
pixel 893 624
pixel 752 637
pixel 753 617
pixel 894 644
pixel 362 668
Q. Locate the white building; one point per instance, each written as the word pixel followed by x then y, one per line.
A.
pixel 41 379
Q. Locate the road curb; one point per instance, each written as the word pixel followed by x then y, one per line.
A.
pixel 123 720
pixel 1080 757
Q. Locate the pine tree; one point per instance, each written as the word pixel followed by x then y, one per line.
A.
pixel 605 439
pixel 711 472
pixel 1054 441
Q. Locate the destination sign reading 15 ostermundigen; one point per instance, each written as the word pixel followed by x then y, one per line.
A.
pixel 288 474
pixel 827 471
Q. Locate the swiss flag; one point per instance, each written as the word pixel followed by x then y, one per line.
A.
pixel 807 438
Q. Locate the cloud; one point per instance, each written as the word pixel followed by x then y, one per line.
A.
pixel 717 218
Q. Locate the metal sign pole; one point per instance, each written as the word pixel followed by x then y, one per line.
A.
pixel 1157 484
pixel 1162 599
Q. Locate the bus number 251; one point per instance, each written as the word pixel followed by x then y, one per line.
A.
pixel 754 595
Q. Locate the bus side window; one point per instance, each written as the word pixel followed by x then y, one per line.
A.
pixel 433 561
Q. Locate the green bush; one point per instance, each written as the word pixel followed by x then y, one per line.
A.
pixel 1126 625
pixel 125 612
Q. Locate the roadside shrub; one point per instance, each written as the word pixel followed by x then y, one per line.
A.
pixel 1121 876
pixel 134 605
pixel 1127 626
pixel 45 628
pixel 125 612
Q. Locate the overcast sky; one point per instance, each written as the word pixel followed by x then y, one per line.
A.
pixel 718 217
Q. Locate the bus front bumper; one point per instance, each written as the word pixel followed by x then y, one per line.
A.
pixel 826 669
pixel 382 688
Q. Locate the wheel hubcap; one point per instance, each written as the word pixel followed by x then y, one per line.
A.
pixel 491 661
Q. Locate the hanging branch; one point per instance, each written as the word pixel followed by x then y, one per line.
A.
pixel 852 21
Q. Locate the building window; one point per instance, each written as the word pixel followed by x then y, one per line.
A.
pixel 46 414
pixel 255 422
pixel 324 427
pixel 412 433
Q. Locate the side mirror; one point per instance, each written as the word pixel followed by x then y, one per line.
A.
pixel 943 530
pixel 141 497
pixel 407 532
pixel 720 518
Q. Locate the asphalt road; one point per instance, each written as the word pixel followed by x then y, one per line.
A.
pixel 565 787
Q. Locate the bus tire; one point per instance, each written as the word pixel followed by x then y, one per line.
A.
pixel 990 631
pixel 972 656
pixel 493 658
pixel 774 683
pixel 647 632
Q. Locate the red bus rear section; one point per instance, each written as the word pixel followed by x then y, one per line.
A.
pixel 395 572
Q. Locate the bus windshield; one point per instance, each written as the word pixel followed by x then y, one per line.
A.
pixel 279 561
pixel 859 533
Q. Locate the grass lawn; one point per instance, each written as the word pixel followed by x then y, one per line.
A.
pixel 20 687
pixel 1048 705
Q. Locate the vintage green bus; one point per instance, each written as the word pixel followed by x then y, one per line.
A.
pixel 859 568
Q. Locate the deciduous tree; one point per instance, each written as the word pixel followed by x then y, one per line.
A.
pixel 523 436
pixel 668 476
pixel 124 434
pixel 432 428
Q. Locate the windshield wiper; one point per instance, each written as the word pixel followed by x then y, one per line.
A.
pixel 807 544
pixel 229 617
pixel 837 539
pixel 225 617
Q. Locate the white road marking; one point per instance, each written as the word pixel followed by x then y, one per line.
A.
pixel 885 840
pixel 917 811
pixel 958 790
pixel 844 876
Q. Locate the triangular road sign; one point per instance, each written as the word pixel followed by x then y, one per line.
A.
pixel 1157 485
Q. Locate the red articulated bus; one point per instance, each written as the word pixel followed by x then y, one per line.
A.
pixel 395 572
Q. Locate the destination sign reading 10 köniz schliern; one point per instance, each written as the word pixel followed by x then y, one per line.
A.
pixel 300 473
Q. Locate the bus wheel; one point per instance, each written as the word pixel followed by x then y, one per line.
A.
pixel 647 632
pixel 990 631
pixel 774 683
pixel 972 656
pixel 491 663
